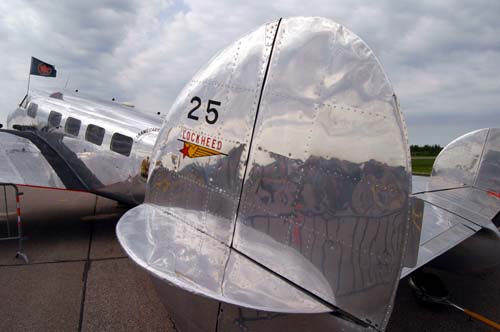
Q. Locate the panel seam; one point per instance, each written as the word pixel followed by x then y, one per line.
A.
pixel 253 127
pixel 476 175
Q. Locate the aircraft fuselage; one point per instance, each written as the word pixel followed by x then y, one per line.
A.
pixel 87 146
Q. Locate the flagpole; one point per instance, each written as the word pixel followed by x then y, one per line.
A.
pixel 28 89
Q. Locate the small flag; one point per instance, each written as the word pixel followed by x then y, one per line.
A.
pixel 41 68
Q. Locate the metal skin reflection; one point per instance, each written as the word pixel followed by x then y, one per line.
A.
pixel 302 212
pixel 462 205
pixel 68 160
pixel 468 168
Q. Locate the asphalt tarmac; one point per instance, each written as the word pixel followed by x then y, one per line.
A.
pixel 79 279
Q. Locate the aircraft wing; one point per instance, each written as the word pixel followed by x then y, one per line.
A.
pixel 27 158
pixel 23 163
pixel 462 196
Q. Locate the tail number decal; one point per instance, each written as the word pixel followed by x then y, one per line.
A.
pixel 212 113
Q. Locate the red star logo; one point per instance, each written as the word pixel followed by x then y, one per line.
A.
pixel 184 151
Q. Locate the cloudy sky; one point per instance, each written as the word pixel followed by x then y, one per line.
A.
pixel 442 56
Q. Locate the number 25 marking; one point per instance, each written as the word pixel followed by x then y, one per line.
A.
pixel 210 110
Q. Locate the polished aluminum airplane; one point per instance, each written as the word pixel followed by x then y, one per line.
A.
pixel 59 148
pixel 279 195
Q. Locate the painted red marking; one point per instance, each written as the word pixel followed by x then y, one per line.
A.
pixel 185 150
pixel 494 194
pixel 296 234
pixel 51 188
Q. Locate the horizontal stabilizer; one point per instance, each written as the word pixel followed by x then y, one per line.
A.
pixel 462 195
pixel 194 261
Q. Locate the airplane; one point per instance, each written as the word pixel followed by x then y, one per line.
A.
pixel 277 192
pixel 75 155
pixel 280 196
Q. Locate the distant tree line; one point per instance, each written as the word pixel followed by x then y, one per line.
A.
pixel 426 150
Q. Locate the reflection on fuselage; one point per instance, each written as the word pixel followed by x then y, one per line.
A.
pixel 345 219
pixel 94 146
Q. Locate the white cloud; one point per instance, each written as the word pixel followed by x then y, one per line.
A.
pixel 443 57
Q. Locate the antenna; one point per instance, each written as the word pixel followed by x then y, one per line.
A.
pixel 67 80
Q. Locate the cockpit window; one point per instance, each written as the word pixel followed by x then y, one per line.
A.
pixel 94 134
pixel 72 126
pixel 121 144
pixel 32 110
pixel 54 119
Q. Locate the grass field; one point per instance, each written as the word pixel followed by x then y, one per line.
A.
pixel 422 165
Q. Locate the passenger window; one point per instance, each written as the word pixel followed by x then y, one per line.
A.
pixel 72 126
pixel 54 119
pixel 32 110
pixel 94 134
pixel 121 144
